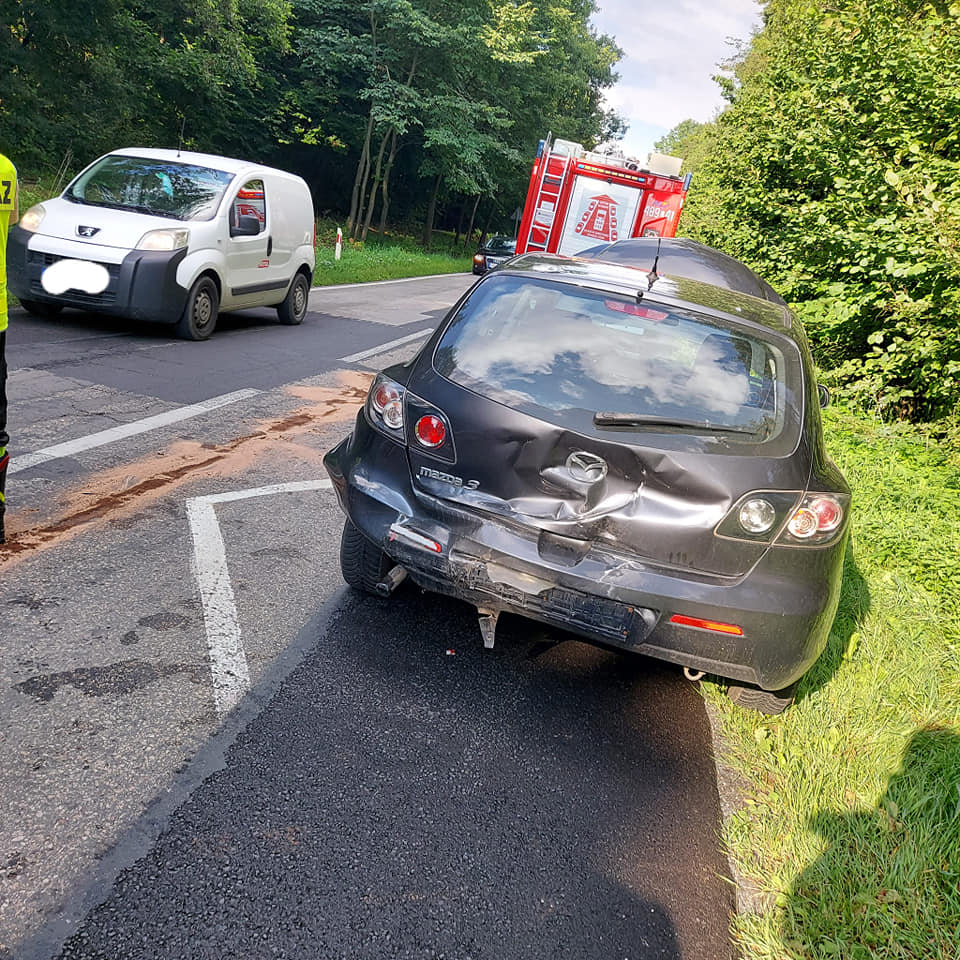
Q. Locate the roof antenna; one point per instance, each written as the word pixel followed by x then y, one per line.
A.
pixel 183 123
pixel 653 276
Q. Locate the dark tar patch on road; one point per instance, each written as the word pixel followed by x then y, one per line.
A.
pixel 124 677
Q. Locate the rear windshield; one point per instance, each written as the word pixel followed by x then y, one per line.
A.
pixel 180 191
pixel 594 361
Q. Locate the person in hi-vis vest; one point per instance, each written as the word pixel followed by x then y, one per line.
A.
pixel 9 213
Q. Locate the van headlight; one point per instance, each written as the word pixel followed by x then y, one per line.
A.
pixel 32 219
pixel 164 240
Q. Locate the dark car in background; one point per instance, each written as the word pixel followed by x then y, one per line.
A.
pixel 631 455
pixel 492 253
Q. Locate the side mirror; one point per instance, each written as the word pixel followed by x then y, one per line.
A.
pixel 246 226
pixel 824 395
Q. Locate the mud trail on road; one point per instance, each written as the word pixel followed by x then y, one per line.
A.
pixel 117 492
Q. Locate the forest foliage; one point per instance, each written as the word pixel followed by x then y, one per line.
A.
pixel 400 108
pixel 835 172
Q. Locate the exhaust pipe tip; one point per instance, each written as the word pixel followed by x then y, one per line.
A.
pixel 391 581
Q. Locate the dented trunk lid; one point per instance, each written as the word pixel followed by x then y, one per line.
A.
pixel 527 404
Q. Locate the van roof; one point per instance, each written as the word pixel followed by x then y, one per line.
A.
pixel 226 164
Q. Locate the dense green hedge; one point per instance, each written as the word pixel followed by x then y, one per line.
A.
pixel 835 172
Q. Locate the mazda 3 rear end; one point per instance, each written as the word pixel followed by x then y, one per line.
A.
pixel 632 457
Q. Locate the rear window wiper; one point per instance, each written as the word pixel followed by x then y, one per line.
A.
pixel 611 419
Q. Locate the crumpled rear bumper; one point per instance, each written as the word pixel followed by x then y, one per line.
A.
pixel 785 605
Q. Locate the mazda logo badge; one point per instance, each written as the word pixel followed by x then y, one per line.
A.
pixel 83 231
pixel 586 467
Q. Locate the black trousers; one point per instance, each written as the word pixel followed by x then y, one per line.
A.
pixel 4 436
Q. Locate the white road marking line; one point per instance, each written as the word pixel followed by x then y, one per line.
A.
pixel 228 661
pixel 380 283
pixel 73 447
pixel 384 347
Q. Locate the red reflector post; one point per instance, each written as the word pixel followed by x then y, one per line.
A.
pixel 714 625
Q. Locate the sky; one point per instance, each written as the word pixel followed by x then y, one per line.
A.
pixel 671 50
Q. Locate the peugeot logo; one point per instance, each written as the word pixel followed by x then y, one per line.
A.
pixel 83 231
pixel 586 467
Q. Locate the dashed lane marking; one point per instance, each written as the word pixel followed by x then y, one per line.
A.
pixel 72 447
pixel 385 347
pixel 380 283
pixel 228 661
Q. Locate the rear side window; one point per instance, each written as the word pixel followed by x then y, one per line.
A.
pixel 594 361
pixel 250 201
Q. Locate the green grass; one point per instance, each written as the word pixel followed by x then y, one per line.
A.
pixel 850 822
pixel 390 257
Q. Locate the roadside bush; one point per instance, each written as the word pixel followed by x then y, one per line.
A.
pixel 835 173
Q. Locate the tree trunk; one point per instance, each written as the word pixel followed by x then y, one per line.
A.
pixel 431 212
pixel 473 216
pixel 456 233
pixel 363 167
pixel 385 185
pixel 371 203
pixel 486 224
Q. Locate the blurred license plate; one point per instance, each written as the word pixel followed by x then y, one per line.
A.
pixel 493 262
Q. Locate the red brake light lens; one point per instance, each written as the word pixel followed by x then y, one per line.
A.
pixel 618 306
pixel 385 404
pixel 829 514
pixel 817 515
pixel 431 431
pixel 383 394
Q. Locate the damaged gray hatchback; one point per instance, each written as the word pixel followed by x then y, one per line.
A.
pixel 630 455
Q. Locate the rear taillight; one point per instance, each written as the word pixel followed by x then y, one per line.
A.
pixel 757 515
pixel 431 431
pixel 385 406
pixel 816 520
pixel 768 516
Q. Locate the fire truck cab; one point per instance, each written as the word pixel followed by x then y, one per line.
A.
pixel 578 199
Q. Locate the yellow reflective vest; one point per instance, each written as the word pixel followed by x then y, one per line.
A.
pixel 8 203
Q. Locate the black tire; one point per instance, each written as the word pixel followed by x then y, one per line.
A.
pixel 362 564
pixel 770 702
pixel 294 306
pixel 199 317
pixel 40 308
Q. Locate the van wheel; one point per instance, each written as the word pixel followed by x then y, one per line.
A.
pixel 40 308
pixel 294 306
pixel 770 702
pixel 199 316
pixel 362 564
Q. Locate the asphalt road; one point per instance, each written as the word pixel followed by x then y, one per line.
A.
pixel 211 748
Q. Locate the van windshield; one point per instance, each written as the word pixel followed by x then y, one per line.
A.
pixel 161 188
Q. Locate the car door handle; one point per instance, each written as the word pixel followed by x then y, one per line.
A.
pixel 269 245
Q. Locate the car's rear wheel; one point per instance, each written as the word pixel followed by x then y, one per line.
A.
pixel 763 701
pixel 199 317
pixel 362 564
pixel 40 308
pixel 294 306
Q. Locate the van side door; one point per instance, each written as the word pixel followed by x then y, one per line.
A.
pixel 249 247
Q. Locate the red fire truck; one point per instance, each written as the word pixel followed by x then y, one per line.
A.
pixel 577 199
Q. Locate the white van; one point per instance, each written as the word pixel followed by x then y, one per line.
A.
pixel 169 236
